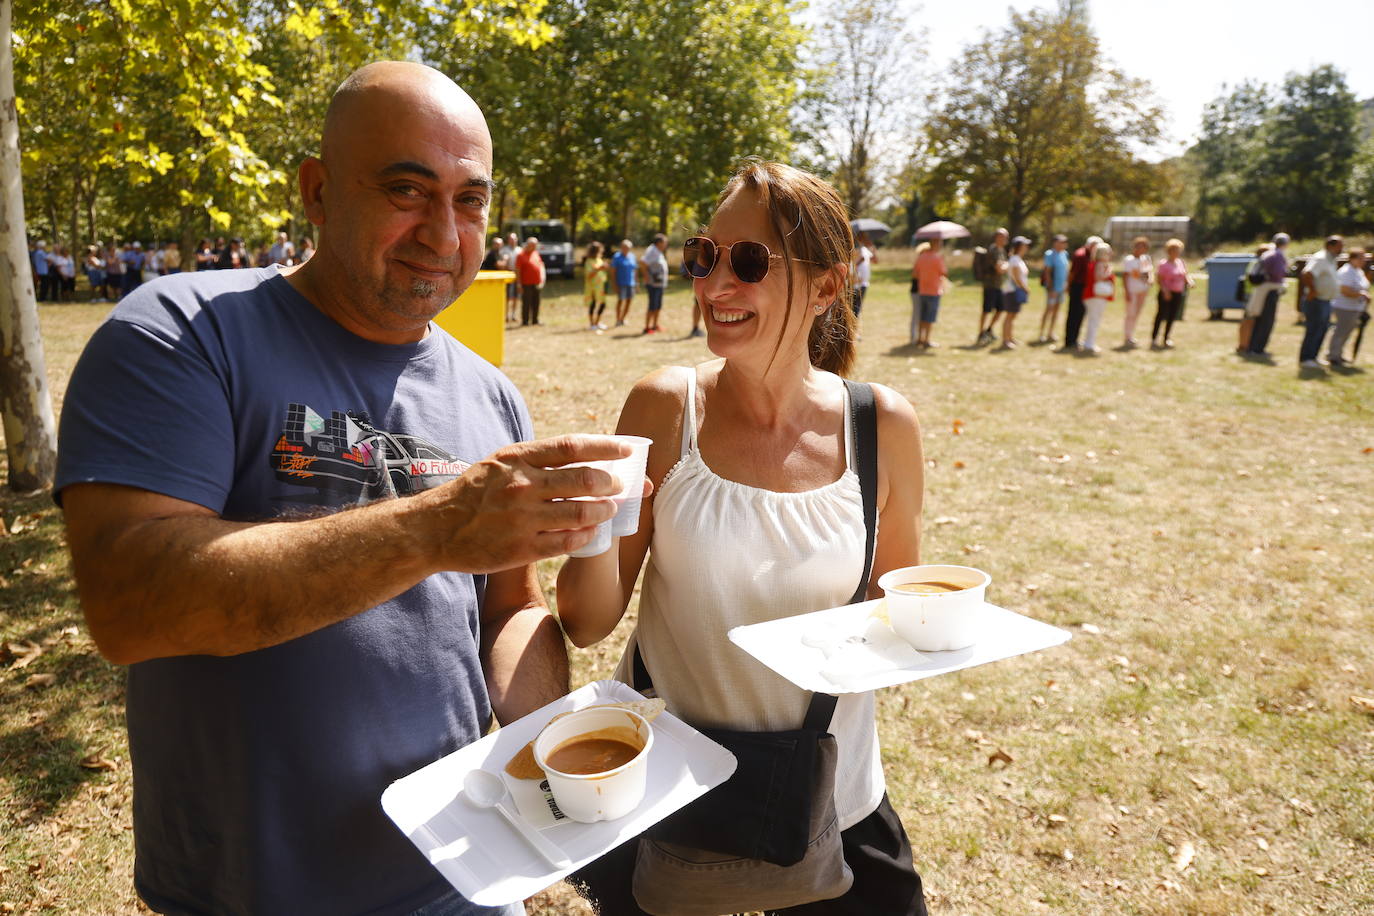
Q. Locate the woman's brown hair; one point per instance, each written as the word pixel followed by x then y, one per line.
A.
pixel 809 218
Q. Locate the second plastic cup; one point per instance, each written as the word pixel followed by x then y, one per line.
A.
pixel 630 472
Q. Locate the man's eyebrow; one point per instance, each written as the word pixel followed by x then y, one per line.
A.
pixel 410 167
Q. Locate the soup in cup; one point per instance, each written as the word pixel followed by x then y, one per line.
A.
pixel 935 608
pixel 596 761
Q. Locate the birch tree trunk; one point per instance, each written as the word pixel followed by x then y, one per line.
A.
pixel 25 402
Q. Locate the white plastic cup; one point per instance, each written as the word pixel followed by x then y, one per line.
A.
pixel 630 472
pixel 938 622
pixel 592 797
pixel 599 544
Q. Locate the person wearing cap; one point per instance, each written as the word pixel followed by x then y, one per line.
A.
pixel 1081 266
pixel 1263 304
pixel 1319 284
pixel 653 268
pixel 1016 291
pixel 1055 278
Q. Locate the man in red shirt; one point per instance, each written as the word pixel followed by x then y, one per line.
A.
pixel 529 267
pixel 1080 277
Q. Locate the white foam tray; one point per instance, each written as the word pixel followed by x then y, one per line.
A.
pixel 485 859
pixel 778 644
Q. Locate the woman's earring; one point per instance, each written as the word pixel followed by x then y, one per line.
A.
pixel 819 309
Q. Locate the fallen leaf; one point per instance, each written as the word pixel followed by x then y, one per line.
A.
pixel 1262 843
pixel 1166 885
pixel 1090 628
pixel 97 762
pixel 1032 587
pixel 1367 450
pixel 1184 856
pixel 1000 755
pixel 41 680
pixel 1363 703
pixel 1259 870
pixel 1009 488
pixel 1198 783
pixel 1038 700
pixel 1300 805
pixel 1227 671
pixel 1057 820
pixel 959 465
pixel 973 548
pixel 23 653
pixel 946 520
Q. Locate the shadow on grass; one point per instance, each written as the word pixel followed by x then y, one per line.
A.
pixel 45 731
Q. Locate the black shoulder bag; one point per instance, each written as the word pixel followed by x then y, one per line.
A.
pixel 768 837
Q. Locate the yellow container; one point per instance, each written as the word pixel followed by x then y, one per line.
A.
pixel 478 317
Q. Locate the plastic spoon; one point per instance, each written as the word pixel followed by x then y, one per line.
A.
pixel 486 790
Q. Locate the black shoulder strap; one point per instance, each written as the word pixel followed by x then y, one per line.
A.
pixel 863 418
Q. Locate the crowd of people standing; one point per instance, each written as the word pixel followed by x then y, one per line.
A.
pixel 113 271
pixel 1333 297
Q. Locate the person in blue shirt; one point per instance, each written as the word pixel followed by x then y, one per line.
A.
pixel 1055 278
pixel 306 518
pixel 626 269
pixel 41 269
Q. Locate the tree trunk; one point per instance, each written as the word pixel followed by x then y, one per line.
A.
pixel 625 218
pixel 74 222
pixel 663 206
pixel 91 236
pixel 501 209
pixel 188 237
pixel 574 215
pixel 26 405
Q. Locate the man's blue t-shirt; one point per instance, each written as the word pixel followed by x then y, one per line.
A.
pixel 258 777
pixel 1058 263
pixel 625 266
pixel 40 262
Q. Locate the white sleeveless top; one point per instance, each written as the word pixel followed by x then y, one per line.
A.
pixel 723 555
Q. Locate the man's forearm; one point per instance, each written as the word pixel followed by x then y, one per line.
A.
pixel 204 586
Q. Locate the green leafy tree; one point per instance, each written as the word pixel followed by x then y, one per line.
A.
pixel 625 109
pixel 1307 150
pixel 1229 203
pixel 860 99
pixel 1033 117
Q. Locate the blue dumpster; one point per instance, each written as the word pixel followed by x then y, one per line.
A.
pixel 1225 281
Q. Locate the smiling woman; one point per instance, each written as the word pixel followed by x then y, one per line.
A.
pixel 401 197
pixel 759 512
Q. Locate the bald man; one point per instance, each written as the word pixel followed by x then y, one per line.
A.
pixel 305 518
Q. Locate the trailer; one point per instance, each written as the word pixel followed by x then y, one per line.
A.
pixel 1158 229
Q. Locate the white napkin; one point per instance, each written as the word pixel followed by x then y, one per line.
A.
pixel 851 657
pixel 534 801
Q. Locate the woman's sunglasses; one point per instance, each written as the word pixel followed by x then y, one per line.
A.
pixel 748 260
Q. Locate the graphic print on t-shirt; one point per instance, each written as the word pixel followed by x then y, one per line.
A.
pixel 346 454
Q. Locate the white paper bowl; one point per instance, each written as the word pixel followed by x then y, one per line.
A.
pixel 940 622
pixel 596 796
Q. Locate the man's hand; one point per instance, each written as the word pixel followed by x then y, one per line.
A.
pixel 521 505
pixel 161 577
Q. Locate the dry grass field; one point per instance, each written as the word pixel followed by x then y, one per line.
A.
pixel 1203 525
